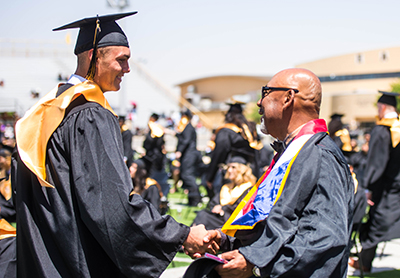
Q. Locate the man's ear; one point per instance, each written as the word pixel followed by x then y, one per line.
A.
pixel 90 54
pixel 289 98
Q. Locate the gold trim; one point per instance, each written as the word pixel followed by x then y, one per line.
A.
pixel 156 130
pixel 6 230
pixel 34 130
pixel 394 125
pixel 345 138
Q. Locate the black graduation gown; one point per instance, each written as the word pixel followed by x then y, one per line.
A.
pixel 154 154
pixel 152 195
pixel 307 232
pixel 89 225
pixel 190 160
pixel 7 210
pixel 228 143
pixel 382 177
pixel 8 258
pixel 127 146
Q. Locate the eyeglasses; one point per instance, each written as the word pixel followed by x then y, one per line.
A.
pixel 265 91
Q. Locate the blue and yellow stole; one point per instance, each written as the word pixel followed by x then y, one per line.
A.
pixel 257 204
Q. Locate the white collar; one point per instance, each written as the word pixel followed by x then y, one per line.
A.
pixel 391 115
pixel 76 79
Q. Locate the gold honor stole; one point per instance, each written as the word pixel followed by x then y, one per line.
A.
pixel 394 125
pixel 34 130
pixel 257 204
pixel 6 230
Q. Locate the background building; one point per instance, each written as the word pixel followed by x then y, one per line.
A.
pixel 350 85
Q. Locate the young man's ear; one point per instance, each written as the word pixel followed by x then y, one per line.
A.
pixel 90 54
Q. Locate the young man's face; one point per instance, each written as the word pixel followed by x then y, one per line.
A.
pixel 112 64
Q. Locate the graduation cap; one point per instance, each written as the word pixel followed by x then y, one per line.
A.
pixel 388 98
pixel 97 32
pixel 237 159
pixel 235 105
pixel 336 116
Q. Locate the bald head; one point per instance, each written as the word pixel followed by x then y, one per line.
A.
pixel 293 99
pixel 308 99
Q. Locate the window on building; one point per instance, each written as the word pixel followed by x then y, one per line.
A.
pixel 359 59
pixel 384 56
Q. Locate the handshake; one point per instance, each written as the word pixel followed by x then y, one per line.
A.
pixel 200 241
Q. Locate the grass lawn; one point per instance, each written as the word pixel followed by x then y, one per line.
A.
pixel 184 214
pixel 384 274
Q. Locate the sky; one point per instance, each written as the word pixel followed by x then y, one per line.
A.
pixel 180 40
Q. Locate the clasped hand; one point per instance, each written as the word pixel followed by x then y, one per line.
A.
pixel 200 241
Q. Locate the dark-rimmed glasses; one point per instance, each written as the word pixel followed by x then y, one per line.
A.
pixel 265 91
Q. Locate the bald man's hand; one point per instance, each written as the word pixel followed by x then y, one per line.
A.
pixel 237 266
pixel 201 241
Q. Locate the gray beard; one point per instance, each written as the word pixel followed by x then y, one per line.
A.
pixel 263 128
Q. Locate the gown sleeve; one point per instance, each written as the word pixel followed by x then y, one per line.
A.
pixel 135 236
pixel 220 153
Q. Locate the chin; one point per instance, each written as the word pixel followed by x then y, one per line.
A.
pixel 263 128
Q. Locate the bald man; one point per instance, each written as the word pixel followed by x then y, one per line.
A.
pixel 296 221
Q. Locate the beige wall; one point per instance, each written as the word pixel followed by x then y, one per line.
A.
pixel 221 88
pixel 356 99
pixel 372 62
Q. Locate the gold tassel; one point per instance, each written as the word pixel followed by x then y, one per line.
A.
pixel 92 67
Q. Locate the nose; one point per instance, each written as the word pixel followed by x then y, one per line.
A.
pixel 126 68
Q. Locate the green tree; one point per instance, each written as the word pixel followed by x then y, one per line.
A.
pixel 396 88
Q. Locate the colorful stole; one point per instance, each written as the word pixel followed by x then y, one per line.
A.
pixel 34 130
pixel 257 204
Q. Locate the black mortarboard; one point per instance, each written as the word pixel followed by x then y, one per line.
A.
pixel 140 163
pixel 235 105
pixel 110 33
pixel 388 98
pixel 237 159
pixel 187 113
pixel 336 116
pixel 155 116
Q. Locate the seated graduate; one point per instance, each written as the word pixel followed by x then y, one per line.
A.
pixel 241 179
pixel 143 185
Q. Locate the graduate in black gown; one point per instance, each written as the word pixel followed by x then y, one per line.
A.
pixel 76 216
pixel 189 157
pixel 154 145
pixel 234 138
pixel 240 179
pixel 143 185
pixel 8 254
pixel 340 134
pixel 126 141
pixel 7 209
pixel 382 179
pixel 297 221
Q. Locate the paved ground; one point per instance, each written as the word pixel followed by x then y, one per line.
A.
pixel 389 260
